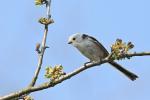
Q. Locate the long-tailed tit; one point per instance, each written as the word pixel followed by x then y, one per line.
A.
pixel 95 51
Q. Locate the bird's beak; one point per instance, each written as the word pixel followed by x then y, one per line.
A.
pixel 70 42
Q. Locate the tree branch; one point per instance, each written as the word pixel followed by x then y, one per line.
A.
pixel 65 77
pixel 40 59
pixel 138 54
pixel 41 54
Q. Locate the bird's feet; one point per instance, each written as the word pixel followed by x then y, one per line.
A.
pixel 92 62
pixel 85 64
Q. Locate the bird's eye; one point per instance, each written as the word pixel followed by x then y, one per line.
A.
pixel 74 39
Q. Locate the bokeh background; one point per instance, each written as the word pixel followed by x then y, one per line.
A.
pixel 106 20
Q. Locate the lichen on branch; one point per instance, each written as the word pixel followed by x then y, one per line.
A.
pixel 46 21
pixel 119 49
pixel 40 2
pixel 54 73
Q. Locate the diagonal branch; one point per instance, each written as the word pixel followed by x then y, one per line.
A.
pixel 40 59
pixel 41 54
pixel 138 54
pixel 65 77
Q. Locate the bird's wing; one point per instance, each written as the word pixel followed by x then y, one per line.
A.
pixel 97 42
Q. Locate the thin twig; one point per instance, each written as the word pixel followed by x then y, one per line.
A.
pixel 65 77
pixel 138 54
pixel 40 59
pixel 40 56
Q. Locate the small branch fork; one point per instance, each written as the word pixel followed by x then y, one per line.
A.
pixel 65 77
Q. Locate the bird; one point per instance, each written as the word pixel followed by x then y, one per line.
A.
pixel 92 49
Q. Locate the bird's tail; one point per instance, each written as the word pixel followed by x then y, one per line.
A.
pixel 129 74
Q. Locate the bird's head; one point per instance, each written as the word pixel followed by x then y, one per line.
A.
pixel 76 39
